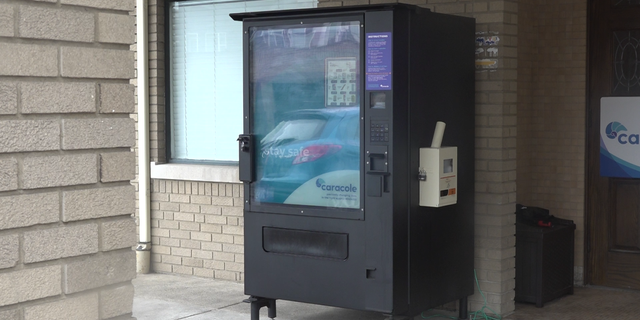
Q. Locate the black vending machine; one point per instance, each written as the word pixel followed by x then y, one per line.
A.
pixel 355 196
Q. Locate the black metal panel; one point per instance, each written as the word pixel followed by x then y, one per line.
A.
pixel 379 175
pixel 401 137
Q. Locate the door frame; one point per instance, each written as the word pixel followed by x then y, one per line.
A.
pixel 596 202
pixel 588 269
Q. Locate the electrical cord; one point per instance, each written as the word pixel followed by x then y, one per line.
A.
pixel 480 314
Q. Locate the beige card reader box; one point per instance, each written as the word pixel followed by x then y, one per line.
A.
pixel 440 166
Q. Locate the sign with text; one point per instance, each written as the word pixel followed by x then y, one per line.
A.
pixel 336 189
pixel 378 67
pixel 620 137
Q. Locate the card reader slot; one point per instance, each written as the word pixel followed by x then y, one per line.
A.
pixel 377 164
pixel 377 169
pixel 377 160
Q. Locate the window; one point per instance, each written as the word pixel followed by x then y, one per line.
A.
pixel 205 76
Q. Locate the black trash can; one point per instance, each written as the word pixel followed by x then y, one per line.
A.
pixel 544 262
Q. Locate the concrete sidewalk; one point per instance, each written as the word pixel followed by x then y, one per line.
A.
pixel 173 297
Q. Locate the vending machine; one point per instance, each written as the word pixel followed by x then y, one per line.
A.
pixel 353 198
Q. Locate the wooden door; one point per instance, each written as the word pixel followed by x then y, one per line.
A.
pixel 613 204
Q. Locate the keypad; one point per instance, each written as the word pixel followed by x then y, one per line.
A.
pixel 380 131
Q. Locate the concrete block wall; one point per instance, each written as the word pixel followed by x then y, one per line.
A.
pixel 552 111
pixel 66 202
pixel 187 238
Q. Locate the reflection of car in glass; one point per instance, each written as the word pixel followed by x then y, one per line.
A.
pixel 305 145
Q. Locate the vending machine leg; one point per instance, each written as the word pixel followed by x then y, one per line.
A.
pixel 257 303
pixel 463 308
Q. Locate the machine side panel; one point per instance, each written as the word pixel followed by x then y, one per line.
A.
pixel 442 89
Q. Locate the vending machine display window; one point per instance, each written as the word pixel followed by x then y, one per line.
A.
pixel 306 106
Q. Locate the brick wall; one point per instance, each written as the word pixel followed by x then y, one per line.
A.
pixel 65 163
pixel 197 229
pixel 205 239
pixel 551 115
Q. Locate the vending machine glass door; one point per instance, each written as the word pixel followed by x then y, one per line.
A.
pixel 305 97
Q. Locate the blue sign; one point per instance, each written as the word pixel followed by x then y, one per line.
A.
pixel 378 67
pixel 620 137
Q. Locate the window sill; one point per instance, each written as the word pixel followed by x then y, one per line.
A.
pixel 195 172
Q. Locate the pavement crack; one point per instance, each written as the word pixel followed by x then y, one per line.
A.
pixel 195 314
pixel 231 305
